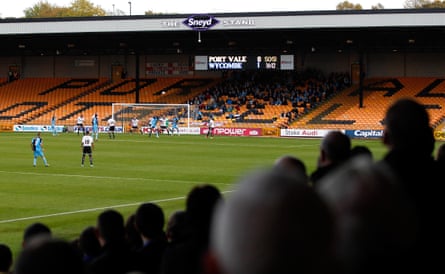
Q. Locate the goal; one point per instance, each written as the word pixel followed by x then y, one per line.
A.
pixel 122 113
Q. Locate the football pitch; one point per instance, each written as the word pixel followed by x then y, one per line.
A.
pixel 129 170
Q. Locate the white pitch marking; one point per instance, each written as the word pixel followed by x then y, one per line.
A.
pixel 108 177
pixel 91 210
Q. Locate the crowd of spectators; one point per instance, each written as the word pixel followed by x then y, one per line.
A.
pixel 139 244
pixel 256 90
pixel 352 215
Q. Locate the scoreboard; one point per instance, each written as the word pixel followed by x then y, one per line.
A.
pixel 267 62
pixel 244 62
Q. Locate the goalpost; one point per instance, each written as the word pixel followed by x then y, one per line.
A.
pixel 122 113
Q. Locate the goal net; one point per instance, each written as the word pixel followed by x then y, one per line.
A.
pixel 123 113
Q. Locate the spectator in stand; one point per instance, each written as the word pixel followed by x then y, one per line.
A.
pixel 199 115
pixel 49 256
pixel 177 227
pixel 178 234
pixel 35 231
pixel 271 224
pixel 5 259
pixel 335 149
pixel 89 245
pixel 292 164
pixel 375 226
pixel 132 235
pixel 116 257
pixel 149 221
pixel 360 150
pixel 187 257
pixel 410 142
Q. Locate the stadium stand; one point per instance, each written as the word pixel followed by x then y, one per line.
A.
pixel 35 100
pixel 343 111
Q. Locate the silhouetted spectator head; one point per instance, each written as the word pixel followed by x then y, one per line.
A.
pixel 49 256
pixel 177 227
pixel 5 258
pixel 187 256
pixel 132 235
pixel 89 244
pixel 288 163
pixel 150 220
pixel 35 230
pixel 110 225
pixel 360 150
pixel 410 142
pixel 407 126
pixel 335 148
pixel 376 227
pixel 200 204
pixel 270 224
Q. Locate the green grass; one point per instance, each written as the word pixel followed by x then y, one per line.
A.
pixel 128 171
